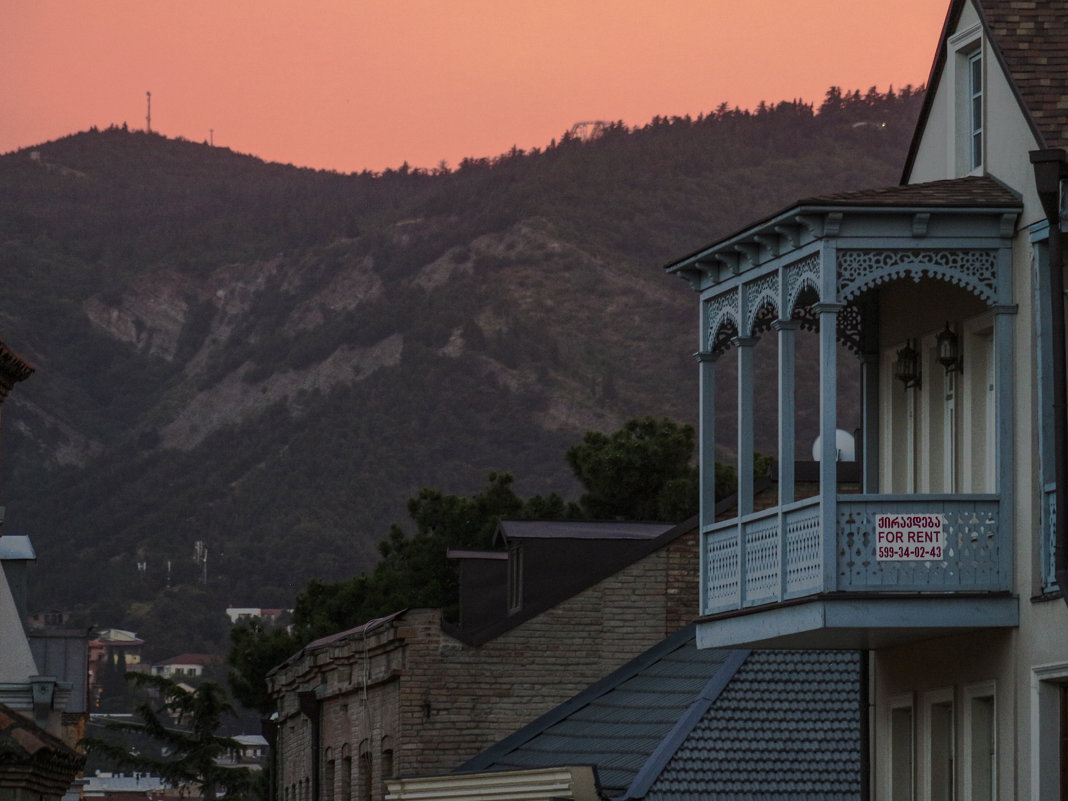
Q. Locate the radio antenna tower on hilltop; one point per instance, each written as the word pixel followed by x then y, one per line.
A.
pixel 148 117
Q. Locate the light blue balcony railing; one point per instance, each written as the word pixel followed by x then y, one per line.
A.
pixel 777 554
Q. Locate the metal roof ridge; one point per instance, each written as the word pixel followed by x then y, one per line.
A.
pixel 666 748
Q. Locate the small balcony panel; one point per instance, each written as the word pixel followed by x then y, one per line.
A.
pixel 773 559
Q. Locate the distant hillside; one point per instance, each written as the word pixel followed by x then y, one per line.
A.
pixel 271 360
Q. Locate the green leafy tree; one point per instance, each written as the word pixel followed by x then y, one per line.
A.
pixel 254 650
pixel 184 724
pixel 644 471
pixel 414 570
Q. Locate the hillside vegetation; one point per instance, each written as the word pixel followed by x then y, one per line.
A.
pixel 271 360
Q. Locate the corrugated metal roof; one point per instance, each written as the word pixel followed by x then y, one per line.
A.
pixel 680 721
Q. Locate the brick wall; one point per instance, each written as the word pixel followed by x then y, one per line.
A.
pixel 409 700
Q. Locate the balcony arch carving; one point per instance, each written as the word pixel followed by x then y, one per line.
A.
pixel 723 320
pixel 973 270
pixel 761 294
pixel 801 275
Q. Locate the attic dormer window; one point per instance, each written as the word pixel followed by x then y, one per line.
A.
pixel 975 109
pixel 967 76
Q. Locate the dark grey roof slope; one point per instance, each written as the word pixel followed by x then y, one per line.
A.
pixel 681 722
pixel 974 191
pixel 787 726
pixel 971 192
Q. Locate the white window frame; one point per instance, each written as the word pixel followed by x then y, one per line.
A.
pixel 977 400
pixel 895 703
pixel 964 48
pixel 1046 681
pixel 976 89
pixel 931 699
pixel 971 694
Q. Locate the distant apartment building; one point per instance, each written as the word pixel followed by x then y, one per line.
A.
pixel 185 666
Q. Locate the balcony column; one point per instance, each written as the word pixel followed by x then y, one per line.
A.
pixel 869 422
pixel 1005 406
pixel 869 378
pixel 706 447
pixel 707 461
pixel 828 313
pixel 745 423
pixel 787 412
pixel 745 452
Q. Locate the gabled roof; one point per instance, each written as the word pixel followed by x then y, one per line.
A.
pixel 682 722
pixel 1030 41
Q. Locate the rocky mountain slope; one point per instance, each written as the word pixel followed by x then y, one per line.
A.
pixel 270 360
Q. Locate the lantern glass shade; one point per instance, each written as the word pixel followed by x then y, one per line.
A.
pixel 907 366
pixel 949 350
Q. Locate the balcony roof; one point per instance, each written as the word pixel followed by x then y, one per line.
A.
pixel 935 212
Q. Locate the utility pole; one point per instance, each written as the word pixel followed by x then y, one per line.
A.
pixel 148 117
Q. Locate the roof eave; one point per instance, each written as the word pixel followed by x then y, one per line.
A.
pixel 796 215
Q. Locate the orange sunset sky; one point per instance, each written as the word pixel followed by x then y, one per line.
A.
pixel 353 84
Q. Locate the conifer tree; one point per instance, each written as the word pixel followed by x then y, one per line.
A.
pixel 184 724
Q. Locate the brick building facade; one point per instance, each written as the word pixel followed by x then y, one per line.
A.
pixel 410 695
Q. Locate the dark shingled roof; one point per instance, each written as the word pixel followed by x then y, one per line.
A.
pixel 970 192
pixel 786 726
pixel 680 722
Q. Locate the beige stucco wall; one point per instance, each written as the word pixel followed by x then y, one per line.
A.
pixel 1015 661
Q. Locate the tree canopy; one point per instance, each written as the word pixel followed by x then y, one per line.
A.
pixel 644 471
pixel 184 724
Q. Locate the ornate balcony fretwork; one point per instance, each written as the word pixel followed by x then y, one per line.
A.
pixel 722 320
pixel 801 275
pixel 973 270
pixel 779 291
pixel 761 293
pixel 847 330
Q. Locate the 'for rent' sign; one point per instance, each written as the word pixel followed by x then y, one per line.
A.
pixel 904 538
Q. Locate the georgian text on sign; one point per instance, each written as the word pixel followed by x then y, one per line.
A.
pixel 909 537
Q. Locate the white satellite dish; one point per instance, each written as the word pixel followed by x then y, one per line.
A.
pixel 844 442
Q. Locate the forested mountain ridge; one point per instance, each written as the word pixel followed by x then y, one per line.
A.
pixel 271 360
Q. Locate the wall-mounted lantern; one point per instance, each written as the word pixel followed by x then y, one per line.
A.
pixel 949 351
pixel 907 366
